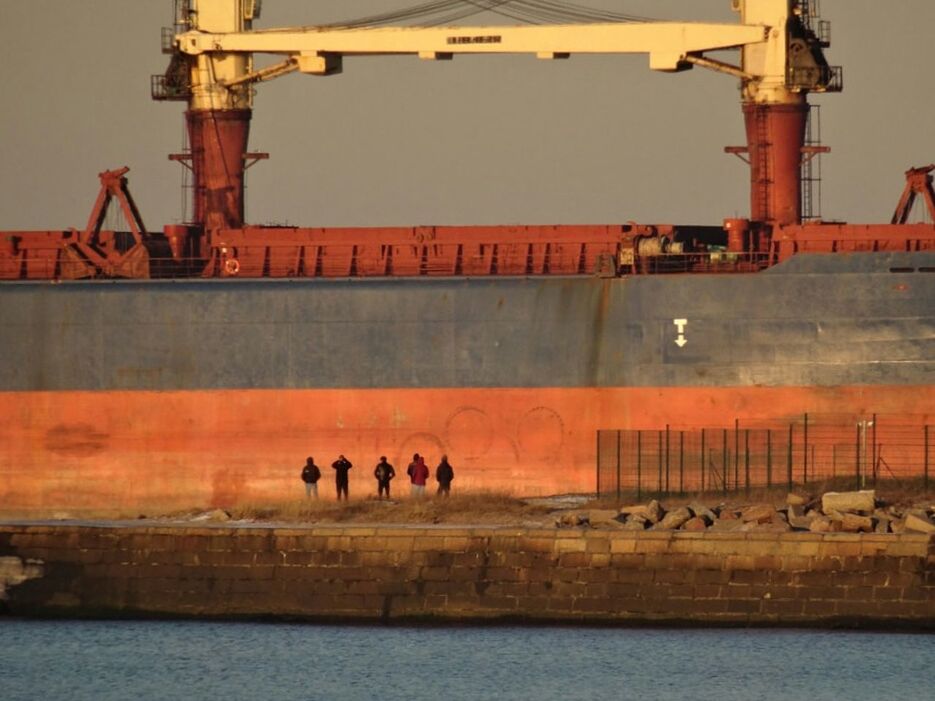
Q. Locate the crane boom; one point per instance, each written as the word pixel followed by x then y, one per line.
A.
pixel 781 60
pixel 668 43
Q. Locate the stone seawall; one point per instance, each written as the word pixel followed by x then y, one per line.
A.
pixel 382 573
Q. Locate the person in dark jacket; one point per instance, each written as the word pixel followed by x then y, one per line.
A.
pixel 341 467
pixel 444 474
pixel 384 472
pixel 310 475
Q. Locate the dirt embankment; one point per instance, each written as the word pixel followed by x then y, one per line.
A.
pixel 794 511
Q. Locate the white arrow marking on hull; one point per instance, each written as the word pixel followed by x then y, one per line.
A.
pixel 680 324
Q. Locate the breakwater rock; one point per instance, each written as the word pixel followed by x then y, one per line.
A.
pixel 833 512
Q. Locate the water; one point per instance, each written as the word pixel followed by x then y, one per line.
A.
pixel 228 661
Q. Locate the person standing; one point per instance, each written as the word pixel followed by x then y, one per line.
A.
pixel 418 475
pixel 444 474
pixel 341 467
pixel 384 472
pixel 310 475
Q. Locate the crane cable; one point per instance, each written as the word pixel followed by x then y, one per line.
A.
pixel 440 12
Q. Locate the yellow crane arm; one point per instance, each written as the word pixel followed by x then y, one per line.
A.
pixel 779 57
pixel 669 44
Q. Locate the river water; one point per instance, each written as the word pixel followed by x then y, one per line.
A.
pixel 225 661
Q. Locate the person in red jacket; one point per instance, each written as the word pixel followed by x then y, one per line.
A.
pixel 418 475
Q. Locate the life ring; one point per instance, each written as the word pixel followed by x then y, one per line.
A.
pixel 231 266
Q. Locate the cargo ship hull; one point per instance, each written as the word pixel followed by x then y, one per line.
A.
pixel 136 395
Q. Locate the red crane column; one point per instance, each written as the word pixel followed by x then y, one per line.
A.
pixel 775 139
pixel 218 139
pixel 218 117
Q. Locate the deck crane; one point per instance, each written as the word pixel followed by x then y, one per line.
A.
pixel 212 68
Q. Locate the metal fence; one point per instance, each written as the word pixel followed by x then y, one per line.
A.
pixel 760 454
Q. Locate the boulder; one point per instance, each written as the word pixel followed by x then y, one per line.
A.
pixel 570 519
pixel 726 525
pixel 820 524
pixel 674 519
pixel 703 512
pixel 759 513
pixel 799 521
pixel 882 525
pixel 636 523
pixel 696 524
pixel 726 514
pixel 652 511
pixel 795 500
pixel 601 516
pixel 919 523
pixel 852 523
pixel 863 502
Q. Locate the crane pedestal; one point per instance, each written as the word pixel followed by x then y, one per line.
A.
pixel 775 139
pixel 218 140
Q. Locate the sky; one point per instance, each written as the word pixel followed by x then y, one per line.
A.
pixel 476 140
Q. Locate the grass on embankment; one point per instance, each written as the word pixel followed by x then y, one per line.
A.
pixel 477 507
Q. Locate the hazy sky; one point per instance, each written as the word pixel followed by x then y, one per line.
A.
pixel 477 140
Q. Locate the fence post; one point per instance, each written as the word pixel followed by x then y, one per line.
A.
pixel 769 458
pixel 805 451
pixel 639 464
pixel 619 438
pixel 726 466
pixel 703 458
pixel 789 459
pixel 659 461
pixel 746 459
pixel 857 460
pixel 681 462
pixel 925 463
pixel 736 453
pixel 667 458
pixel 874 460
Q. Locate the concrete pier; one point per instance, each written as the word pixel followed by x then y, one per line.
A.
pixel 458 574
